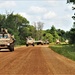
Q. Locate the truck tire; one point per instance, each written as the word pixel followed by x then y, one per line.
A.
pixel 26 44
pixel 37 43
pixel 11 47
pixel 33 44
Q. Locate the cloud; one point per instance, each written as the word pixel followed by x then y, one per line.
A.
pixel 37 9
pixel 38 18
pixel 7 4
pixel 25 15
pixel 49 15
pixel 68 16
pixel 53 2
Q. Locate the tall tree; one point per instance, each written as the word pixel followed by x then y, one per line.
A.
pixel 71 1
pixel 73 19
pixel 54 33
pixel 61 34
pixel 48 37
pixel 72 35
pixel 2 21
pixel 39 30
pixel 72 31
pixel 35 31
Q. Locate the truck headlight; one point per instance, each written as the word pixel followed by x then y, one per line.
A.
pixel 8 44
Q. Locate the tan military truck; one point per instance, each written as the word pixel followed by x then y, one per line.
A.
pixel 38 42
pixel 6 40
pixel 30 41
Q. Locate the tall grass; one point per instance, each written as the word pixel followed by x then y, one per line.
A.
pixel 64 49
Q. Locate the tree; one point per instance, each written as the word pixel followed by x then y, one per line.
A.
pixel 71 1
pixel 35 31
pixel 72 35
pixel 14 24
pixel 61 34
pixel 39 30
pixel 2 21
pixel 73 19
pixel 49 37
pixel 72 31
pixel 54 33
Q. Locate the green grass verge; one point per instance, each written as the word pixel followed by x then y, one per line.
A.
pixel 64 49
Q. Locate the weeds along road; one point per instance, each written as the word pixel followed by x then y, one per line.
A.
pixel 37 60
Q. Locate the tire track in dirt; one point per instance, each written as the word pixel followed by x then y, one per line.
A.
pixel 11 61
pixel 35 64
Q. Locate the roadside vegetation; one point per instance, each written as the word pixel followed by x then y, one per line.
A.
pixel 21 28
pixel 67 50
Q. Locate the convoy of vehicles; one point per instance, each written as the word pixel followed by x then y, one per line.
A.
pixel 7 40
pixel 31 41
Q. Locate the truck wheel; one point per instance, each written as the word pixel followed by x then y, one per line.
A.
pixel 26 44
pixel 37 43
pixel 11 47
pixel 33 44
pixel 41 43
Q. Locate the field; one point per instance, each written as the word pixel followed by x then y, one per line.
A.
pixel 64 49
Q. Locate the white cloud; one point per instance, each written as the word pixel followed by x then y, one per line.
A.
pixel 49 15
pixel 30 17
pixel 25 15
pixel 6 4
pixel 37 9
pixel 67 16
pixel 38 18
pixel 53 2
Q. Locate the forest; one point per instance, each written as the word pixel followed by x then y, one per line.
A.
pixel 20 27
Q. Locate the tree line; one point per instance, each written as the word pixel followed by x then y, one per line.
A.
pixel 72 31
pixel 20 27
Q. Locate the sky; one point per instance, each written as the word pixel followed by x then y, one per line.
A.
pixel 49 12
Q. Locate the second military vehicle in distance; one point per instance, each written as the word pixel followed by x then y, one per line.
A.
pixel 38 42
pixel 30 41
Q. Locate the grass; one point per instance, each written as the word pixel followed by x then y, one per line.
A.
pixel 64 49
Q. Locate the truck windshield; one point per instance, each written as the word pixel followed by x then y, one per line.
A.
pixel 4 36
pixel 0 36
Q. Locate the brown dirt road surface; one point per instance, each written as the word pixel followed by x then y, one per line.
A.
pixel 37 60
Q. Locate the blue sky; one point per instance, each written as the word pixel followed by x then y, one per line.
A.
pixel 50 12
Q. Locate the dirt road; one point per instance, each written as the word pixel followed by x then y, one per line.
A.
pixel 37 60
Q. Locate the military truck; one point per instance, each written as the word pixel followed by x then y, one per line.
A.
pixel 6 40
pixel 38 42
pixel 30 41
